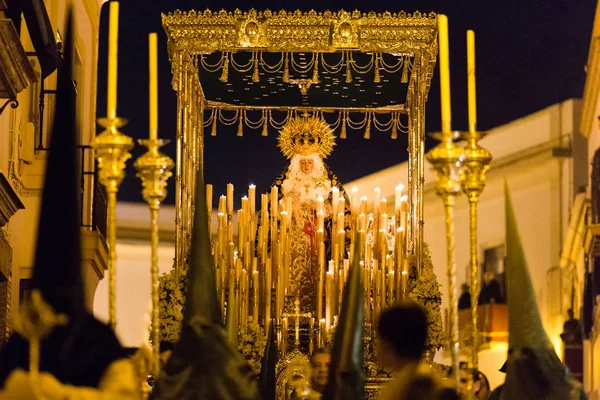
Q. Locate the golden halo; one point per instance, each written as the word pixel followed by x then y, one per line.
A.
pixel 306 135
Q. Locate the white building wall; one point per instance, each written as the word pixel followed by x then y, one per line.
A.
pixel 542 188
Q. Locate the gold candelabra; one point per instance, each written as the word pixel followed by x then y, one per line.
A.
pixel 472 180
pixel 154 169
pixel 111 149
pixel 446 159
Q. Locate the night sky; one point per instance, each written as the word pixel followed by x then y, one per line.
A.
pixel 530 54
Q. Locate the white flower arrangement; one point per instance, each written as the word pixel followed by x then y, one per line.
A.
pixel 425 290
pixel 252 341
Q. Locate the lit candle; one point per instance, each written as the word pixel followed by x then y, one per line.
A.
pixel 274 201
pixel 153 75
pixel 390 286
pixel 471 81
pixel 322 332
pixel 113 50
pixel 354 200
pixel 342 206
pixel 404 281
pixel 229 199
pixel 252 198
pixel 376 201
pixel 255 291
pixel 335 199
pixel 444 73
pixel 209 199
pixel 398 197
pixel 320 204
pixel 328 298
pixel 321 220
pixel 363 205
pixel 223 204
pixel 268 295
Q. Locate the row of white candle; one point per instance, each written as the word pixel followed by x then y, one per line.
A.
pixel 255 274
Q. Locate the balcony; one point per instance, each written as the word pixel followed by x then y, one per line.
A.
pixel 492 323
pixel 16 72
pixel 94 249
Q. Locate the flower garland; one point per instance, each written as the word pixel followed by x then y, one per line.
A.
pixel 425 290
pixel 252 341
pixel 171 300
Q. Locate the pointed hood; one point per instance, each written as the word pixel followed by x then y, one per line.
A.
pixel 533 370
pixel 201 291
pixel 267 382
pixel 524 322
pixel 57 269
pixel 346 367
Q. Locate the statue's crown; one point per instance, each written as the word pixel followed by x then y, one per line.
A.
pixel 306 135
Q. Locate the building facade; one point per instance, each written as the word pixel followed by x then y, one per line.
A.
pixel 26 113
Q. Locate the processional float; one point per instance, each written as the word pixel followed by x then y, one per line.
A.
pixel 303 52
pixel 211 53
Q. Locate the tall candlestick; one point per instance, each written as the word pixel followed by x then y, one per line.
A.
pixel 376 201
pixel 153 75
pixel 113 50
pixel 268 295
pixel 320 204
pixel 471 81
pixel 444 73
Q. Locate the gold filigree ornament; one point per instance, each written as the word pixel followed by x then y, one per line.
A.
pixel 36 320
pixel 306 135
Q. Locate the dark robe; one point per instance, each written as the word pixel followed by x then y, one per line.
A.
pixel 77 354
pixel 491 293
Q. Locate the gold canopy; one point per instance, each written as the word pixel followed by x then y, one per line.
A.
pixel 409 39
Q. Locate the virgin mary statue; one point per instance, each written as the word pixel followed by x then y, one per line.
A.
pixel 306 141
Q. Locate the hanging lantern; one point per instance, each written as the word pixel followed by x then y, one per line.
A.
pixel 240 131
pixel 213 129
pixel 315 77
pixel 225 72
pixel 286 69
pixel 368 128
pixel 265 129
pixel 255 76
pixel 404 78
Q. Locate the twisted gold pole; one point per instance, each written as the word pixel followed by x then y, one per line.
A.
pixel 446 159
pixel 154 169
pixel 111 149
pixel 472 180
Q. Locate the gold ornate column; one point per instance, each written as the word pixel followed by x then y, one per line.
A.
pixel 154 169
pixel 111 149
pixel 472 180
pixel 446 159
